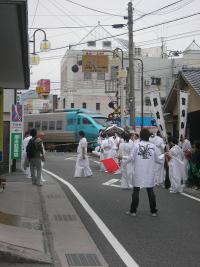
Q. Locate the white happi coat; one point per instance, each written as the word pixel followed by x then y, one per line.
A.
pixel 144 157
pixel 159 169
pixel 186 146
pixel 176 168
pixel 24 155
pixel 127 171
pixel 82 165
pixel 106 147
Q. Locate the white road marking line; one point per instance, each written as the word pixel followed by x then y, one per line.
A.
pixel 120 250
pixel 192 197
pixel 112 181
pixel 115 185
pixel 72 158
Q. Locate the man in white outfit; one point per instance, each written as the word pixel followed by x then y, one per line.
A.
pixel 82 168
pixel 158 141
pixel 144 156
pixel 186 148
pixel 25 169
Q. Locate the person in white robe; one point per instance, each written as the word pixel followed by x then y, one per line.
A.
pixel 176 166
pixel 82 168
pixel 25 165
pixel 158 141
pixel 41 136
pixel 125 149
pixel 186 149
pixel 144 157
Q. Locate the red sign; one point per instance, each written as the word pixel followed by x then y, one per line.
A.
pixel 45 84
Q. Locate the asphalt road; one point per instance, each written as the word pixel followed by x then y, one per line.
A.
pixel 170 240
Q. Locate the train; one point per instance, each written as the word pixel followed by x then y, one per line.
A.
pixel 61 128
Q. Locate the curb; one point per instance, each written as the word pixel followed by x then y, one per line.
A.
pixel 16 254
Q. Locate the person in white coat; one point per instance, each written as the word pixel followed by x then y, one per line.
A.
pixel 158 141
pixel 186 149
pixel 82 168
pixel 144 157
pixel 176 166
pixel 25 168
pixel 125 149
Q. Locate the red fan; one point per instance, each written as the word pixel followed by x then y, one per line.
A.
pixel 110 165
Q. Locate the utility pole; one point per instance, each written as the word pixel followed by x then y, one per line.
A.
pixel 131 66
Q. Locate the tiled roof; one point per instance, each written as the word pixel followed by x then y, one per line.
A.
pixel 192 47
pixel 192 76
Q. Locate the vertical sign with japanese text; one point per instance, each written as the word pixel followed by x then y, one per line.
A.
pixel 16 130
pixel 1 124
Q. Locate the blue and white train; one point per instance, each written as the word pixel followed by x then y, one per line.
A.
pixel 62 127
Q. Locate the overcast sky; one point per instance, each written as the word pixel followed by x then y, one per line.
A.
pixel 62 13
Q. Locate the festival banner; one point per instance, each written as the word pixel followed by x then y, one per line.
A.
pixel 1 124
pixel 183 109
pixel 158 113
pixel 16 131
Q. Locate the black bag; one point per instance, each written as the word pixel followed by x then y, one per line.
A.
pixel 31 148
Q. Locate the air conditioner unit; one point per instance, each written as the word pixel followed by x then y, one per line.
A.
pixel 147 82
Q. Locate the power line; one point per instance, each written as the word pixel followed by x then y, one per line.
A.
pixel 159 9
pixel 92 9
pixel 71 27
pixel 137 30
pixel 35 13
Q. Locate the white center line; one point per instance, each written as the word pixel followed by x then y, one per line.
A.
pixel 120 250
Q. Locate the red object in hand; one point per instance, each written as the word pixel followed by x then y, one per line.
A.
pixel 110 165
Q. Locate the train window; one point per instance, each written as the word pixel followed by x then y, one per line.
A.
pixel 30 125
pixel 86 121
pixel 59 125
pixel 37 125
pixel 52 125
pixel 44 125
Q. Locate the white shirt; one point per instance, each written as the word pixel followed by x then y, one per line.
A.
pixel 82 144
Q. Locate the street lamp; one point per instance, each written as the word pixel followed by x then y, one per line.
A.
pixel 44 47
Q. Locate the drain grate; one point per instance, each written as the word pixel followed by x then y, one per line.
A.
pixel 54 196
pixel 83 260
pixel 65 217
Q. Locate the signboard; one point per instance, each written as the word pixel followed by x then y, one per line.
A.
pixel 183 109
pixel 16 130
pixel 43 86
pixel 1 124
pixel 158 112
pixel 95 63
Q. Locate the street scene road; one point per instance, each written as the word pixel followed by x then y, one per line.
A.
pixel 171 239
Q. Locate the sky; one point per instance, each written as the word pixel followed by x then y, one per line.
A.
pixel 46 14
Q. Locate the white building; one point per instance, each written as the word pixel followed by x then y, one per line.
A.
pixel 87 89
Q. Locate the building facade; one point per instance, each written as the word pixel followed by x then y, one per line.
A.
pixel 87 89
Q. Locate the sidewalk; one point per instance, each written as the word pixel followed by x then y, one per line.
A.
pixel 39 227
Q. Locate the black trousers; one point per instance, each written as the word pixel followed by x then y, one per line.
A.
pixel 135 199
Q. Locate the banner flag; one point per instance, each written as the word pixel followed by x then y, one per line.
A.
pixel 158 113
pixel 183 109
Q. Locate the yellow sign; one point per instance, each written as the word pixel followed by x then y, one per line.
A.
pixel 39 90
pixel 95 63
pixel 1 124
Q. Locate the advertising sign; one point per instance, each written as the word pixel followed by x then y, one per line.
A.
pixel 183 108
pixel 16 130
pixel 1 124
pixel 43 86
pixel 95 63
